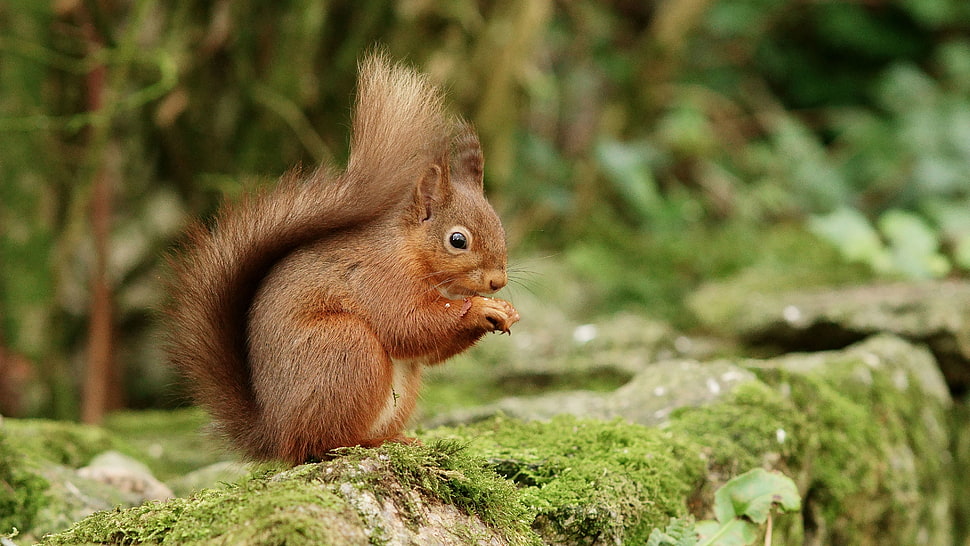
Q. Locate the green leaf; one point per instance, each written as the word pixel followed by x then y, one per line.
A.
pixel 741 506
pixel 736 532
pixel 914 245
pixel 904 87
pixel 850 232
pixel 628 167
pixel 752 495
pixel 932 13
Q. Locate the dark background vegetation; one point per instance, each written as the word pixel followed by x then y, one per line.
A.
pixel 645 147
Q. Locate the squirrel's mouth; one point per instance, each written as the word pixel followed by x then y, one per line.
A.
pixel 449 295
pixel 459 289
pixel 457 293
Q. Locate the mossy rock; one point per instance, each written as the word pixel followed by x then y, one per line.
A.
pixel 935 313
pixel 436 494
pixel 538 359
pixel 648 398
pixel 862 431
pixel 32 452
pixel 41 490
pixel 878 453
pixel 22 491
pixel 60 442
pixel 590 481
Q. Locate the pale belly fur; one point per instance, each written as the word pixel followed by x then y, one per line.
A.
pixel 400 399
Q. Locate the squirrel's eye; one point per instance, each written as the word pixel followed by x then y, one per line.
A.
pixel 458 240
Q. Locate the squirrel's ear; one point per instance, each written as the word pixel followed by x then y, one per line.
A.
pixel 432 190
pixel 467 162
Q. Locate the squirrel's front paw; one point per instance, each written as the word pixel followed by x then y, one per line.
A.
pixel 499 315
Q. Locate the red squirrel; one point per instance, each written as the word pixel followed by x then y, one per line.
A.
pixel 303 316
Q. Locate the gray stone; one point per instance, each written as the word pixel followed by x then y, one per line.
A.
pixel 73 496
pixel 647 399
pixel 936 314
pixel 212 475
pixel 665 386
pixel 126 475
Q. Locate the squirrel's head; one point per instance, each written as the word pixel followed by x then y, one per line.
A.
pixel 461 237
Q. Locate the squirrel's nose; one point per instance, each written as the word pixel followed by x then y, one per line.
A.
pixel 496 279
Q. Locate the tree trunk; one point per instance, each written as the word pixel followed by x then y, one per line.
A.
pixel 101 379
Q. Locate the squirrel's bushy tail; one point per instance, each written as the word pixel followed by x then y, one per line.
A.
pixel 399 129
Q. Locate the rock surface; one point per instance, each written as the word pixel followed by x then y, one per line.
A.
pixel 881 442
pixel 126 475
pixel 590 361
pixel 862 431
pixel 647 399
pixel 393 495
pixel 933 313
pixel 210 476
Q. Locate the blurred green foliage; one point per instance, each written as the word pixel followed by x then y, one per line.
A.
pixel 649 145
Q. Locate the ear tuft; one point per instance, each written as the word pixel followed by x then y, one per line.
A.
pixel 467 161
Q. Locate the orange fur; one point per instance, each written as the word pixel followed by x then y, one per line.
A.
pixel 303 312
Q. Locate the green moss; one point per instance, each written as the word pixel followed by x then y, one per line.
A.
pixel 855 430
pixel 61 442
pixel 445 470
pixel 22 492
pixel 590 478
pixel 960 447
pixel 753 426
pixel 26 445
pixel 851 445
pixel 308 504
pixel 872 452
pixel 38 457
pixel 258 511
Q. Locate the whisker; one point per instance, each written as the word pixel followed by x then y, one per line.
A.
pixel 522 266
pixel 540 258
pixel 443 283
pixel 432 274
pixel 518 283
